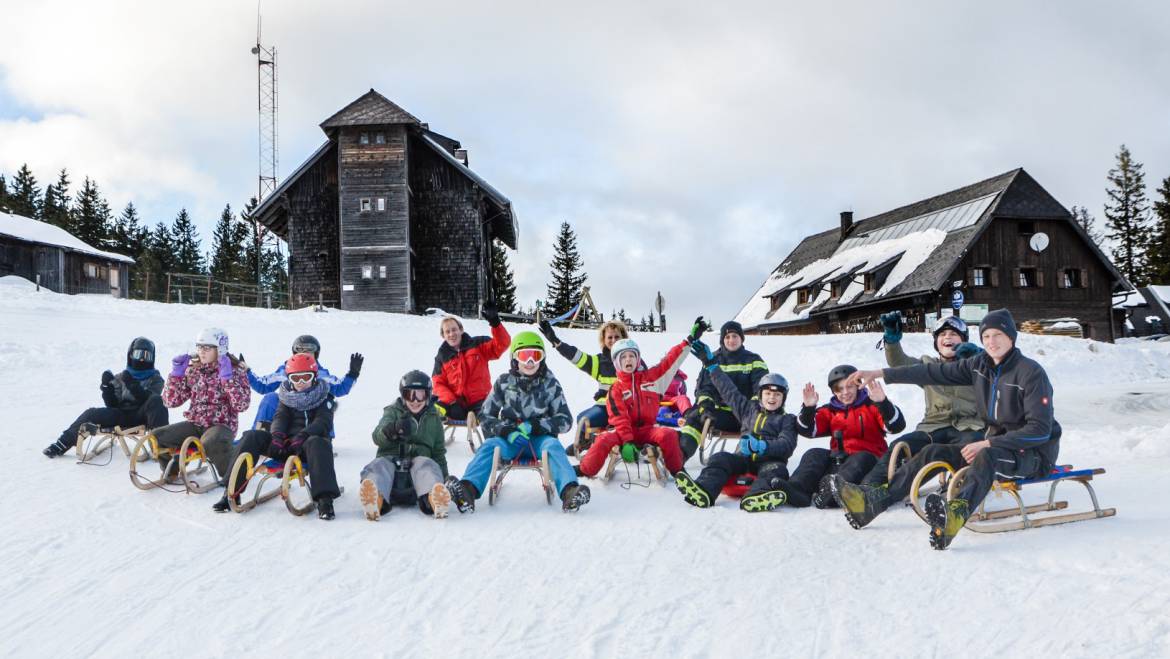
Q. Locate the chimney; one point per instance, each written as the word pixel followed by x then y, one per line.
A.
pixel 461 155
pixel 846 224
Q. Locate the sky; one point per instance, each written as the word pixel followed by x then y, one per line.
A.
pixel 690 145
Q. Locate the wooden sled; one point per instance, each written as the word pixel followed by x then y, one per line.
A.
pixel 189 461
pixel 93 441
pixel 501 469
pixel 291 474
pixel 649 456
pixel 1021 516
pixel 713 441
pixel 474 434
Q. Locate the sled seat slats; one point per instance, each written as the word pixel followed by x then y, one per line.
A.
pixel 1063 472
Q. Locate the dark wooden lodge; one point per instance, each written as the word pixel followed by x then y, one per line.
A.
pixel 64 264
pixel 1005 241
pixel 387 216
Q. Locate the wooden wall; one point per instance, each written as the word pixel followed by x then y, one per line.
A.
pixel 27 260
pixel 313 235
pixel 61 271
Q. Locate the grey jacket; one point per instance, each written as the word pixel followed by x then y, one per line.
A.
pixel 537 399
pixel 946 405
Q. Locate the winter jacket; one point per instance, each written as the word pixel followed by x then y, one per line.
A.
pixel 129 390
pixel 426 442
pixel 777 429
pixel 863 424
pixel 515 398
pixel 314 422
pixel 1014 398
pixel 463 373
pixel 266 384
pixel 214 402
pixel 946 406
pixel 634 398
pixel 744 367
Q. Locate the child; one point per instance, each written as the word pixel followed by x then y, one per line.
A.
pixel 132 398
pixel 268 384
pixel 675 403
pixel 461 378
pixel 769 437
pixel 412 457
pixel 523 415
pixel 301 426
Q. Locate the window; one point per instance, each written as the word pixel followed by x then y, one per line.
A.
pixel 870 282
pixel 114 277
pixel 838 287
pixel 365 204
pixel 381 203
pixel 379 138
pixel 777 300
pixel 91 270
pixel 1071 278
pixel 367 272
pixel 1027 278
pixel 364 138
pixel 979 277
pixel 1026 228
pixel 802 296
pixel 381 272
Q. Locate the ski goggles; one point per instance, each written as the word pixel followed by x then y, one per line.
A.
pixel 415 395
pixel 142 355
pixel 529 355
pixel 310 348
pixel 306 377
pixel 950 322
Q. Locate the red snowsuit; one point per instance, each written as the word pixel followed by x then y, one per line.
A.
pixel 461 375
pixel 632 405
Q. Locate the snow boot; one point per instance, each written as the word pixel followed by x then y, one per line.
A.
pixel 862 503
pixel 573 497
pixel 763 501
pixel 55 449
pixel 371 500
pixel 692 492
pixel 823 497
pixel 946 519
pixel 462 494
pixel 325 508
pixel 223 505
pixel 440 500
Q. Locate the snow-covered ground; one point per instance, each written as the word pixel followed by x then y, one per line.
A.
pixel 92 566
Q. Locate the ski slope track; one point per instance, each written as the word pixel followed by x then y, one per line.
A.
pixel 93 567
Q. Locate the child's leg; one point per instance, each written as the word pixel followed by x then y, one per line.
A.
pixel 318 454
pixel 255 443
pixel 721 467
pixel 103 416
pixel 899 487
pixel 217 444
pixel 768 477
pixel 667 441
pixel 595 457
pixel 381 471
pixel 480 467
pixel 813 466
pixel 558 462
pixel 916 441
pixel 856 466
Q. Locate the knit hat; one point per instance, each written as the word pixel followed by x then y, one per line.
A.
pixel 729 327
pixel 1000 319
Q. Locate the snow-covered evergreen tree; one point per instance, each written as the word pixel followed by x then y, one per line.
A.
pixel 1126 216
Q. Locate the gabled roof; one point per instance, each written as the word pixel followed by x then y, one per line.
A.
pixel 369 109
pixel 504 224
pixel 268 211
pixel 35 231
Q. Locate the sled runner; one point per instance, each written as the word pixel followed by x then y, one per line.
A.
pixel 713 441
pixel 501 469
pixel 648 456
pixel 182 466
pixel 92 441
pixel 474 435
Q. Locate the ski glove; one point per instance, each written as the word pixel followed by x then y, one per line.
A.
pixel 703 352
pixel 491 313
pixel 179 365
pixel 698 328
pixel 751 445
pixel 546 329
pixel 515 435
pixel 892 324
pixel 538 429
pixel 294 444
pixel 405 427
pixel 278 447
pixel 966 350
pixel 225 367
pixel 107 378
pixel 355 365
pixel 629 453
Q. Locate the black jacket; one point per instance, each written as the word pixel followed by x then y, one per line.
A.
pixel 315 422
pixel 127 393
pixel 743 367
pixel 776 428
pixel 1013 398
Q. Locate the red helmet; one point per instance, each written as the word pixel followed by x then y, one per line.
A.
pixel 302 362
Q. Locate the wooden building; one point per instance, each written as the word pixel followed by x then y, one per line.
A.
pixel 64 264
pixel 1144 312
pixel 1000 243
pixel 387 216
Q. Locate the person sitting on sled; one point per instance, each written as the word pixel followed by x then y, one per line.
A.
pixel 856 420
pixel 744 367
pixel 522 418
pixel 302 426
pixel 951 416
pixel 411 463
pixel 132 398
pixel 268 384
pixel 216 384
pixel 769 438
pixel 672 411
pixel 461 378
pixel 1014 398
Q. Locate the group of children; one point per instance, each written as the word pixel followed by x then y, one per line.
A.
pixel 990 408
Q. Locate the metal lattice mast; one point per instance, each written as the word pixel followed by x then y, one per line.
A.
pixel 266 99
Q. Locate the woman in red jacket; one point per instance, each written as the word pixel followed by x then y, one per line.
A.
pixel 461 378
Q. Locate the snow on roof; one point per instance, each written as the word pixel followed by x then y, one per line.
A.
pixel 35 231
pixel 1130 299
pixel 1163 292
pixel 910 250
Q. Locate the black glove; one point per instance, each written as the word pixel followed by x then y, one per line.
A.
pixel 107 378
pixel 240 359
pixel 698 328
pixel 355 365
pixel 491 313
pixel 406 426
pixel 703 352
pixel 546 329
pixel 538 428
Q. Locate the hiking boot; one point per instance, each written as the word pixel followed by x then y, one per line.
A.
pixel 223 505
pixel 692 492
pixel 763 501
pixel 371 500
pixel 462 494
pixel 823 497
pixel 946 519
pixel 862 503
pixel 573 497
pixel 325 508
pixel 55 449
pixel 440 500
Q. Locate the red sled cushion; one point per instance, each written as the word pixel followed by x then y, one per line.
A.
pixel 737 486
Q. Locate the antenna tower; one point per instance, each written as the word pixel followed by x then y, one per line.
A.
pixel 266 100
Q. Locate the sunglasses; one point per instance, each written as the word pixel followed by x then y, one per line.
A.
pixel 205 348
pixel 526 355
pixel 302 378
pixel 416 395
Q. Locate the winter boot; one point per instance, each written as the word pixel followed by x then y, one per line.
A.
pixel 573 497
pixel 692 491
pixel 823 497
pixel 760 502
pixel 223 505
pixel 325 508
pixel 440 500
pixel 371 500
pixel 463 494
pixel 862 503
pixel 946 519
pixel 55 449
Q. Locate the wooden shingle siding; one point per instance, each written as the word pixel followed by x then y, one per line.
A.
pixel 313 239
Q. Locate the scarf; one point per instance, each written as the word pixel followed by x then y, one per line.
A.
pixel 302 401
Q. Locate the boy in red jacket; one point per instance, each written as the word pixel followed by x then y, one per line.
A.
pixel 857 421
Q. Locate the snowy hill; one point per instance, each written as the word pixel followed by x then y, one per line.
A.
pixel 93 566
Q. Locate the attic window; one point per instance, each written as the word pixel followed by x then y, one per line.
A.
pixel 870 282
pixel 1071 278
pixel 379 138
pixel 777 300
pixel 1026 228
pixel 802 296
pixel 364 138
pixel 838 287
pixel 979 276
pixel 1026 278
pixel 365 204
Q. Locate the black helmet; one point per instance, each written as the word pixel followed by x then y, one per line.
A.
pixel 773 380
pixel 950 323
pixel 414 380
pixel 140 355
pixel 307 343
pixel 840 373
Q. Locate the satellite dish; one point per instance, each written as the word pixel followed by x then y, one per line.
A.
pixel 1039 242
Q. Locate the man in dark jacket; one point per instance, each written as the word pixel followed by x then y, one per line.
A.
pixel 745 368
pixel 132 398
pixel 1014 398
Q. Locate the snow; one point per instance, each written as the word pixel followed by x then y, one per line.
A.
pixel 912 251
pixel 1163 293
pixel 93 566
pixel 1064 325
pixel 25 228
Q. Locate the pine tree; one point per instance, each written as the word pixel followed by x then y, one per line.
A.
pixel 253 250
pixel 227 250
pixel 162 246
pixel 275 275
pixel 622 316
pixel 1083 217
pixel 24 197
pixel 188 252
pixel 1126 215
pixel 1158 251
pixel 4 195
pixel 127 235
pixel 91 215
pixel 568 274
pixel 503 282
pixel 56 207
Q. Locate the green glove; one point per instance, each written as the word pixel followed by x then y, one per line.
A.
pixel 629 453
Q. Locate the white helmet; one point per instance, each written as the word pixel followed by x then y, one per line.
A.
pixel 622 345
pixel 213 336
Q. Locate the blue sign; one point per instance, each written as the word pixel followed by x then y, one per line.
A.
pixel 957 299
